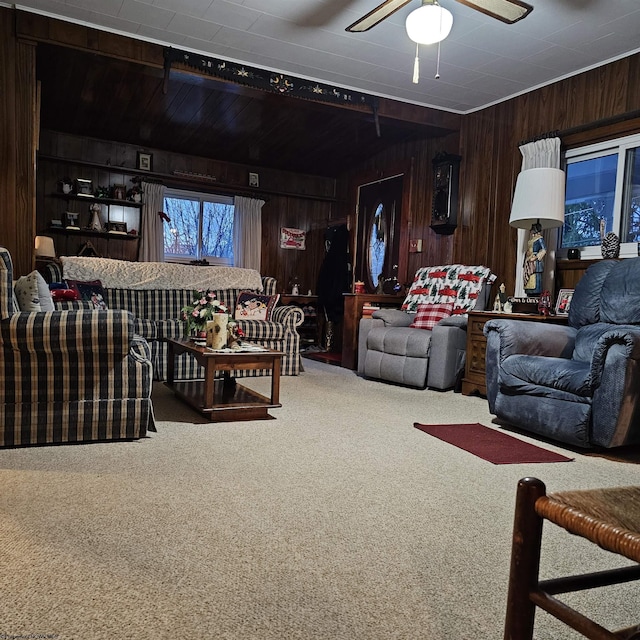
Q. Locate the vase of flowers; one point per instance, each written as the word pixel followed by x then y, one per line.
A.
pixel 200 311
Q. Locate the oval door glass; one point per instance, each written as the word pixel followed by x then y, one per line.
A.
pixel 377 244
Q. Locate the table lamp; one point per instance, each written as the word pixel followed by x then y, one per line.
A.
pixel 44 247
pixel 538 203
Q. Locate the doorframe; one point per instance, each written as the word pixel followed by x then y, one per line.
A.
pixel 363 178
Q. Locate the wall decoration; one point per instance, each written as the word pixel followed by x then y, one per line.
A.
pixel 144 161
pixel 292 238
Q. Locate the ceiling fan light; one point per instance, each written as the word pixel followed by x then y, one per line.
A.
pixel 429 24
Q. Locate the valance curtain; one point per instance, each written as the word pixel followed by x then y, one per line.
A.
pixel 247 232
pixel 541 153
pixel 152 237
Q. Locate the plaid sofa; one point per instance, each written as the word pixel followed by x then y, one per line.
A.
pixel 70 376
pixel 157 317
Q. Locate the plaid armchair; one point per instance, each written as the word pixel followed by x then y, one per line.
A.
pixel 70 376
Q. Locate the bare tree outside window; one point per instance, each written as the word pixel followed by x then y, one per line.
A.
pixel 198 228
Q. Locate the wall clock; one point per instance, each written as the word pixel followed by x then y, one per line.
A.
pixel 444 207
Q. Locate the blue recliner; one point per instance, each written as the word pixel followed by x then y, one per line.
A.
pixel 579 384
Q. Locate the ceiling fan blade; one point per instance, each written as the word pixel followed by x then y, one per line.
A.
pixel 377 15
pixel 508 11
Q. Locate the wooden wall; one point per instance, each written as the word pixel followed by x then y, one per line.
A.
pixel 291 200
pixel 583 108
pixel 592 106
pixel 18 123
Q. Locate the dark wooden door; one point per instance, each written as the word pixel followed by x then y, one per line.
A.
pixel 377 243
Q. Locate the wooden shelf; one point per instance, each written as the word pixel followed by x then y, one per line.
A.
pixel 109 201
pixel 92 233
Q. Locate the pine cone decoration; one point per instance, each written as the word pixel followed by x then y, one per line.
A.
pixel 610 245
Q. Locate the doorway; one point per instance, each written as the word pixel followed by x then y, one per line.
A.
pixel 378 234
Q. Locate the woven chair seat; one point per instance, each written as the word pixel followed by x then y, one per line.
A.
pixel 608 517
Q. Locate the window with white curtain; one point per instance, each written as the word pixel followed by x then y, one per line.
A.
pixel 602 195
pixel 200 227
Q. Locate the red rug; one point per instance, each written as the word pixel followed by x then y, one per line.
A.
pixel 491 445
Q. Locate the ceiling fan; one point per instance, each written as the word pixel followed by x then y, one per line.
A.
pixel 508 11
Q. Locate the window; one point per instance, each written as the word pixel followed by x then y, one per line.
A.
pixel 200 227
pixel 603 195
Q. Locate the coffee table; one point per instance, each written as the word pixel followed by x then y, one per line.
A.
pixel 224 399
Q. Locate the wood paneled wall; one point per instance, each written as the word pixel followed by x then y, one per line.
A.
pixel 488 143
pixel 18 123
pixel 291 200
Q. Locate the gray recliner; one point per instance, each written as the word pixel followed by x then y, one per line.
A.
pixel 392 351
pixel 579 384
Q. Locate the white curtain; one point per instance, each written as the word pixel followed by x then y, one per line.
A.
pixel 152 238
pixel 541 153
pixel 247 232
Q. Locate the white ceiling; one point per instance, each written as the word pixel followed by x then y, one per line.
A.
pixel 483 61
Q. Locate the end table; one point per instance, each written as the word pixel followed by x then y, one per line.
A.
pixel 474 380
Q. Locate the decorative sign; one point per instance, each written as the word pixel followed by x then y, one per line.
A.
pixel 292 238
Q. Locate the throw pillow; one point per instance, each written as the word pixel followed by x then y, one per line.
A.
pixel 428 315
pixel 92 292
pixel 32 293
pixel 62 295
pixel 255 306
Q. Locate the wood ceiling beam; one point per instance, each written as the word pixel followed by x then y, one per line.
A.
pixel 39 28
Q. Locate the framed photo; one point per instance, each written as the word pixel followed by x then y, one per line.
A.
pixel 119 192
pixel 564 302
pixel 144 161
pixel 117 227
pixel 84 187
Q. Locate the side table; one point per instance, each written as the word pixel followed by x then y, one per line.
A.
pixel 474 380
pixel 309 330
pixel 353 303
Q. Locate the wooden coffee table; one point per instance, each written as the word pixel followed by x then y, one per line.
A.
pixel 224 399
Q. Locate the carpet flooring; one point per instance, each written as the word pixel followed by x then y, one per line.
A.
pixel 491 445
pixel 337 520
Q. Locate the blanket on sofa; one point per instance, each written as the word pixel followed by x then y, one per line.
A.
pixel 120 274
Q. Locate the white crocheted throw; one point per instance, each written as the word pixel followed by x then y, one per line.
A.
pixel 120 274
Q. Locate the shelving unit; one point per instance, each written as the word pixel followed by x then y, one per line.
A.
pixel 308 330
pixel 53 205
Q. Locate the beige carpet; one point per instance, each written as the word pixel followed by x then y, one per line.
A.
pixel 337 520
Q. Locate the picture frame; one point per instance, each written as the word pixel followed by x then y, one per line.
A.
pixel 119 191
pixel 117 227
pixel 84 187
pixel 564 302
pixel 144 161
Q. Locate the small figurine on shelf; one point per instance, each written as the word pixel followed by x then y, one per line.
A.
pixel 500 300
pixel 544 304
pixel 72 220
pixel 96 223
pixel 135 193
pixel 66 185
pixel 295 286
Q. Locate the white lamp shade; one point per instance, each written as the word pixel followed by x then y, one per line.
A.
pixel 44 247
pixel 429 24
pixel 539 197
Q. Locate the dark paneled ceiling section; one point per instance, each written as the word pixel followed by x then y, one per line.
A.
pixel 90 95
